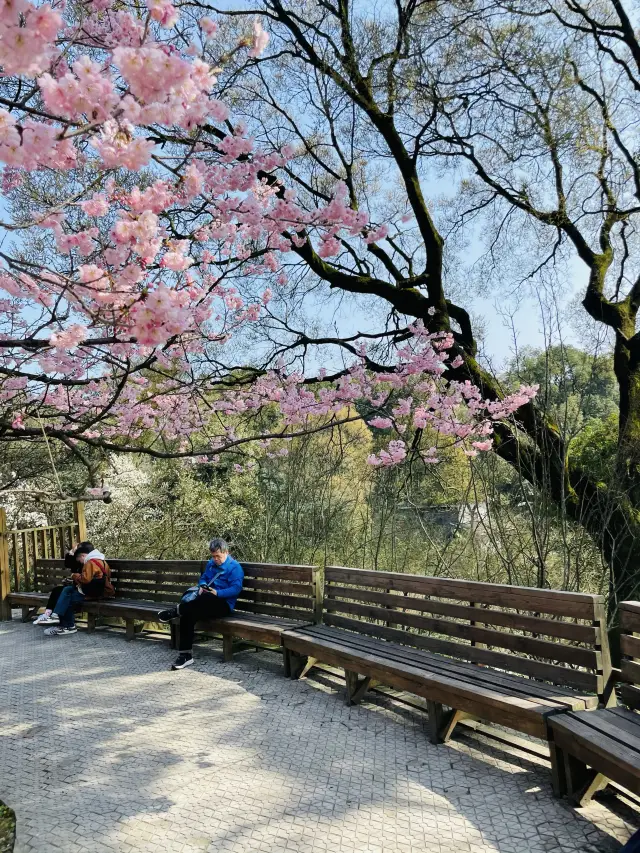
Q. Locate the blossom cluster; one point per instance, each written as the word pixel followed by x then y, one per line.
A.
pixel 138 295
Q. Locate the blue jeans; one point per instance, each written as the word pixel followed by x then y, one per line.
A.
pixel 64 608
pixel 633 844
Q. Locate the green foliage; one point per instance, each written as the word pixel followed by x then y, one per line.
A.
pixel 595 449
pixel 7 829
pixel 575 387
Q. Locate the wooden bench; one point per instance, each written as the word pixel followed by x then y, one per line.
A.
pixel 274 597
pixel 511 655
pixel 592 749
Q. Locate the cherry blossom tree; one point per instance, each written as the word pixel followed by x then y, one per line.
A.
pixel 147 232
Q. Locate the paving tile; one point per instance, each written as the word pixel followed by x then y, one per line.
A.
pixel 102 748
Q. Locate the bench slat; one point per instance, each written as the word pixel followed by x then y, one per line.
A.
pixel 630 617
pixel 630 646
pixel 531 599
pixel 275 585
pixel 510 663
pixel 500 639
pixel 630 671
pixel 630 695
pixel 257 597
pixel 534 624
pixel 272 610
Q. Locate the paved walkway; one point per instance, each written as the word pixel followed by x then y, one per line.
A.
pixel 103 749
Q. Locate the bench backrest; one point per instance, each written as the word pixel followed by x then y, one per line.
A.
pixel 548 635
pixel 291 592
pixel 630 649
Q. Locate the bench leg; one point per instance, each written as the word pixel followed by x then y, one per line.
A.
pixel 298 665
pixel 175 635
pixel 356 687
pixel 449 722
pixel 435 722
pixel 26 612
pixel 582 782
pixel 286 662
pixel 227 647
pixel 558 775
pixel 91 622
pixel 131 629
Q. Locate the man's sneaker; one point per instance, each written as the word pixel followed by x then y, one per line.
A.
pixel 52 619
pixel 182 660
pixel 42 619
pixel 168 615
pixel 57 631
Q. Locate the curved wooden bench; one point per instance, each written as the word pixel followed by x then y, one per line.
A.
pixel 511 655
pixel 605 745
pixel 274 597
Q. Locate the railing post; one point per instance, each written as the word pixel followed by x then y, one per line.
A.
pixel 5 576
pixel 78 515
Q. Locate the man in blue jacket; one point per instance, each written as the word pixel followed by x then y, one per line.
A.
pixel 218 588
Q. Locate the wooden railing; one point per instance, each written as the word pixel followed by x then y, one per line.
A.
pixel 19 549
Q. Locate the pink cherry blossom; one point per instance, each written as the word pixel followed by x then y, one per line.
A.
pixel 135 307
pixel 260 39
pixel 69 338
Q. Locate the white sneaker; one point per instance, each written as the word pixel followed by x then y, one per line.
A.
pixel 53 619
pixel 41 619
pixel 57 631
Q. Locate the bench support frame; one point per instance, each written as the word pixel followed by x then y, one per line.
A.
pixel 295 665
pixel 356 686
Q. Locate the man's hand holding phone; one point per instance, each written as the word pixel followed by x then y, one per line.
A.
pixel 207 589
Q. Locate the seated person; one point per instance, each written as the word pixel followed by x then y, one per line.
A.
pixel 71 562
pixel 92 582
pixel 216 594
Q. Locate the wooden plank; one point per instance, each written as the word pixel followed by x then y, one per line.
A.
pixel 630 696
pixel 272 610
pixel 194 568
pixel 531 599
pixel 250 568
pixel 534 624
pixel 626 720
pixel 28 597
pixel 510 663
pixel 173 590
pixel 273 585
pixel 630 645
pixel 284 572
pixel 259 596
pixel 175 577
pixel 26 563
pixel 269 634
pixel 630 671
pixel 604 723
pixel 515 684
pixel 80 520
pixel 515 642
pixel 142 596
pixel 630 617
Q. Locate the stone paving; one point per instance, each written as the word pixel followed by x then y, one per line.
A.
pixel 103 749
